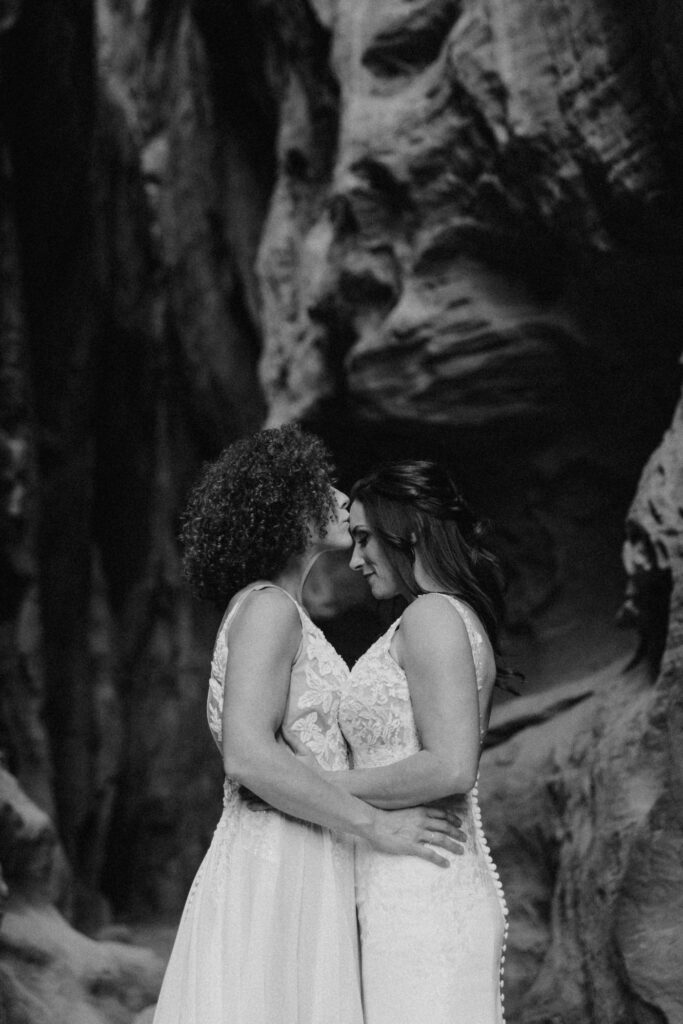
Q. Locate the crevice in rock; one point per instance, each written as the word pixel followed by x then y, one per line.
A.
pixel 414 41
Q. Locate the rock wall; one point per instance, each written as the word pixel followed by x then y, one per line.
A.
pixel 500 232
pixel 130 341
pixel 582 791
pixel 432 228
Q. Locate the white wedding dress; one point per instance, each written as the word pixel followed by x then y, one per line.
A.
pixel 268 934
pixel 432 938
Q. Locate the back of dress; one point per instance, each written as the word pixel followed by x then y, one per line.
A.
pixel 432 938
pixel 268 934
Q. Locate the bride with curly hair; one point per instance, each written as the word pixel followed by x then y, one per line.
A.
pixel 268 934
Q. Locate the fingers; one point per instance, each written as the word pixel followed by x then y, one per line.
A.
pixel 446 827
pixel 425 853
pixel 444 840
pixel 439 814
pixel 440 825
pixel 446 843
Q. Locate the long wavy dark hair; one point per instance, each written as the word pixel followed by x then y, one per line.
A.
pixel 417 504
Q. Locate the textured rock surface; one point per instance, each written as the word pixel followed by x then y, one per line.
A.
pixel 50 973
pixel 426 227
pixel 472 264
pixel 584 808
pixel 129 354
pixel 490 164
pixel 589 848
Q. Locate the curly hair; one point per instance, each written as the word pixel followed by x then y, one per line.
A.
pixel 252 509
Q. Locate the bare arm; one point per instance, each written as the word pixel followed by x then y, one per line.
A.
pixel 263 642
pixel 433 649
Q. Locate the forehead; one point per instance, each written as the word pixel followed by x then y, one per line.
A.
pixel 357 515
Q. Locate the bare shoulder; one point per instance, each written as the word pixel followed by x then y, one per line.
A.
pixel 432 638
pixel 267 616
pixel 432 615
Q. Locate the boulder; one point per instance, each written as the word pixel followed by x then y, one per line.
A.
pixel 50 973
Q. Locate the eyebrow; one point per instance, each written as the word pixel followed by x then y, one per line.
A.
pixel 357 529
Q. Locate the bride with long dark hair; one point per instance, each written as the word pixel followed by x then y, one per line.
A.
pixel 415 714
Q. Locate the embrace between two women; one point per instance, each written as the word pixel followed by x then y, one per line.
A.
pixel 366 823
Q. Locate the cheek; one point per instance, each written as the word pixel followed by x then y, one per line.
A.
pixel 386 570
pixel 381 565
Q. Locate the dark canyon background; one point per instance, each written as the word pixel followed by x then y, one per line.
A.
pixel 447 228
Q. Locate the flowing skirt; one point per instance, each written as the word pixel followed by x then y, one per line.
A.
pixel 268 934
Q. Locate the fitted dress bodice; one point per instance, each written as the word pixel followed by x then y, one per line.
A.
pixel 376 715
pixel 319 676
pixel 431 938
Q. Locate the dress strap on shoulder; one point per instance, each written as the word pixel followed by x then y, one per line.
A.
pixel 227 619
pixel 474 633
pixel 461 606
pixel 274 586
pixel 303 617
pixel 389 635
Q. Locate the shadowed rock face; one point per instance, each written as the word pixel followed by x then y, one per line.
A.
pixel 588 824
pixel 425 228
pixel 496 173
pixel 483 263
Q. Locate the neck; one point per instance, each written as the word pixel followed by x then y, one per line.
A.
pixel 293 576
pixel 424 579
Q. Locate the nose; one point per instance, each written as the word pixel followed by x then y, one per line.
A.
pixel 341 498
pixel 356 560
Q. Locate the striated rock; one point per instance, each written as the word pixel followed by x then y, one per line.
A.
pixel 487 185
pixel 588 827
pixel 570 806
pixel 467 267
pixel 424 228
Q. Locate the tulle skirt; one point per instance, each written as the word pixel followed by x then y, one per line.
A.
pixel 268 934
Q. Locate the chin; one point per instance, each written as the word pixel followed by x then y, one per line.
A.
pixel 377 590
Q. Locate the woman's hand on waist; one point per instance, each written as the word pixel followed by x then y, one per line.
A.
pixel 413 831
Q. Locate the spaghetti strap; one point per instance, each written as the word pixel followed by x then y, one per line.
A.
pixel 475 634
pixel 229 616
pixel 274 586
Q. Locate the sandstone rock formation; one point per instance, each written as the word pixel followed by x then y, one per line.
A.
pixel 425 227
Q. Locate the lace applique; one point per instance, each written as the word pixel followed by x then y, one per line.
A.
pixel 214 700
pixel 325 676
pixel 376 715
pixel 319 675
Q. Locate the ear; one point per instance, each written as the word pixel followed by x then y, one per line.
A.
pixel 413 537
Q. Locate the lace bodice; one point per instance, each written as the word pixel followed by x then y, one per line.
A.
pixel 319 675
pixel 376 715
